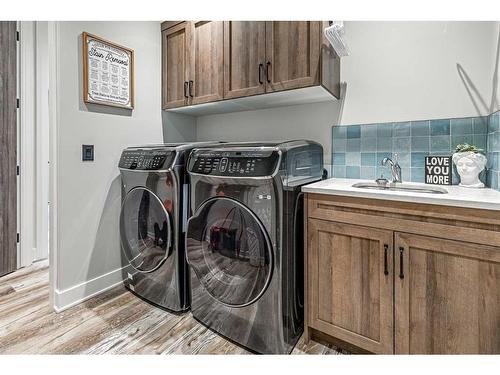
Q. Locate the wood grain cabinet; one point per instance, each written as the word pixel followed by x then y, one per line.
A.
pixel 292 54
pixel 192 63
pixel 244 58
pixel 447 296
pixel 176 43
pixel 392 277
pixel 207 61
pixel 351 284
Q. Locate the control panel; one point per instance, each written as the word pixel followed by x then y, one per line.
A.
pixel 234 163
pixel 146 159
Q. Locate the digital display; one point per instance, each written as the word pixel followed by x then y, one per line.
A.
pixel 145 160
pixel 234 163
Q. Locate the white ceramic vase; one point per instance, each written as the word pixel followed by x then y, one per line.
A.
pixel 469 166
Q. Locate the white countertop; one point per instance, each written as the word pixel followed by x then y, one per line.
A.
pixel 457 196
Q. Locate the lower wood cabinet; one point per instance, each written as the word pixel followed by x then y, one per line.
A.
pixel 447 296
pixel 350 284
pixel 387 287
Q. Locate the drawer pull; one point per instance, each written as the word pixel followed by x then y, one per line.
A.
pixel 191 88
pixel 401 273
pixel 386 271
pixel 185 89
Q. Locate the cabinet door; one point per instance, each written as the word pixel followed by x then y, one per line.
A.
pixel 447 296
pixel 175 51
pixel 244 58
pixel 350 283
pixel 292 54
pixel 206 78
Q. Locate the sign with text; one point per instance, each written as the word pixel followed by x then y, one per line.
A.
pixel 108 73
pixel 438 170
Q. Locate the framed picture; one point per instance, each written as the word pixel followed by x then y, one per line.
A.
pixel 108 72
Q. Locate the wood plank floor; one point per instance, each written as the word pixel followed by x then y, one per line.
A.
pixel 115 322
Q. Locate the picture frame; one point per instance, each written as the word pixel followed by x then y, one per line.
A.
pixel 108 72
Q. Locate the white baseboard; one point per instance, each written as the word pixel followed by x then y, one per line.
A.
pixel 67 298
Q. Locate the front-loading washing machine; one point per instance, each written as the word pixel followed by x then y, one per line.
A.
pixel 244 242
pixel 153 222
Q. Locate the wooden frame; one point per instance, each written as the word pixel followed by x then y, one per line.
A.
pixel 86 37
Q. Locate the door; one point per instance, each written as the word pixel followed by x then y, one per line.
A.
pixel 292 54
pixel 206 78
pixel 350 283
pixel 145 230
pixel 229 251
pixel 176 42
pixel 8 146
pixel 447 296
pixel 244 58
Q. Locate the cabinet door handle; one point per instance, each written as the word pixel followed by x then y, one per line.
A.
pixel 268 77
pixel 401 273
pixel 185 89
pixel 261 67
pixel 386 270
pixel 191 88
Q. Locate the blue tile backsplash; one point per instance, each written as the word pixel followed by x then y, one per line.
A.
pixel 359 149
pixel 493 146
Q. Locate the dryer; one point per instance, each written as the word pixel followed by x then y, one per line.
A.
pixel 244 242
pixel 153 221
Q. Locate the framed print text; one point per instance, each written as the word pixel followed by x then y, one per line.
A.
pixel 108 73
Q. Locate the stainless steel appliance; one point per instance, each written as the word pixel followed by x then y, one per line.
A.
pixel 245 240
pixel 153 221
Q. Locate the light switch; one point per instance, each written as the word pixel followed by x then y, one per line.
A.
pixel 87 152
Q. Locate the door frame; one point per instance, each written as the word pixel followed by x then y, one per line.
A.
pixel 33 149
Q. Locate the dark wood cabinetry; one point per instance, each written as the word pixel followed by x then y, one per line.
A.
pixel 236 59
pixel 176 55
pixel 447 296
pixel 292 54
pixel 192 63
pixel 440 266
pixel 351 284
pixel 244 58
pixel 206 78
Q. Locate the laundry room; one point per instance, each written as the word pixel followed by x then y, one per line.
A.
pixel 280 184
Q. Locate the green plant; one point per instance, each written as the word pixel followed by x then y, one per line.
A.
pixel 467 147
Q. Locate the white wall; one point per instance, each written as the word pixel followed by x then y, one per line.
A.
pixel 397 71
pixel 310 121
pixel 86 195
pixel 418 70
pixel 495 95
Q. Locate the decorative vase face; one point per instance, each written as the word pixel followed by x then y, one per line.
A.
pixel 469 165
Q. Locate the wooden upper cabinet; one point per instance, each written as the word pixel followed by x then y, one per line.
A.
pixel 175 45
pixel 292 54
pixel 244 58
pixel 448 296
pixel 208 61
pixel 350 284
pixel 206 66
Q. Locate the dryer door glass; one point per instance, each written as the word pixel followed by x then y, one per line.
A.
pixel 144 230
pixel 230 252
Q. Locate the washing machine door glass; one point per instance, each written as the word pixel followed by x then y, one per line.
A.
pixel 144 230
pixel 230 252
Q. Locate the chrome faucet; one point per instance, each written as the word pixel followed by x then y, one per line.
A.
pixel 395 168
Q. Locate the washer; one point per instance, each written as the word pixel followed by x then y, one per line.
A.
pixel 153 221
pixel 245 240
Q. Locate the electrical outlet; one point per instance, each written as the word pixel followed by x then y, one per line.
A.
pixel 87 152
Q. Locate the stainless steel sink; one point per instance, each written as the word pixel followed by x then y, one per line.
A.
pixel 400 187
